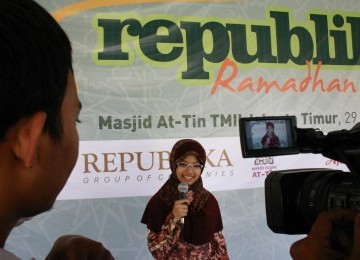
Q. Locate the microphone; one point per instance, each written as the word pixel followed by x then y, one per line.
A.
pixel 183 187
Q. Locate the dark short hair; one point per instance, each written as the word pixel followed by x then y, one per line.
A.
pixel 35 59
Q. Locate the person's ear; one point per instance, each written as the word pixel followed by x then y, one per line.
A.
pixel 28 134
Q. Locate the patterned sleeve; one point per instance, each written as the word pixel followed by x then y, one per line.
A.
pixel 218 245
pixel 161 244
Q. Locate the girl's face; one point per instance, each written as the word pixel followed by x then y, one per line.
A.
pixel 270 130
pixel 188 169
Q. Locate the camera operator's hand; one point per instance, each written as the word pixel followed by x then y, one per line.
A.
pixel 75 247
pixel 334 235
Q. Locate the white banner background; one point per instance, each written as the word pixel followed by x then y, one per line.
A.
pixel 110 169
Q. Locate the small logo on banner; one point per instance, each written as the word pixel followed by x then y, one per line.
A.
pixel 263 166
pixel 332 163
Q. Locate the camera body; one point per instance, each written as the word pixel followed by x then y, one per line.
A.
pixel 294 197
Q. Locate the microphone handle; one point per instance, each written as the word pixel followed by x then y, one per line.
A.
pixel 182 195
pixel 182 223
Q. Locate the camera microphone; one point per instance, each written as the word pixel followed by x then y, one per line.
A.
pixel 183 187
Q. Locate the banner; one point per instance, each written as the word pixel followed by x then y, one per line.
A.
pixel 152 72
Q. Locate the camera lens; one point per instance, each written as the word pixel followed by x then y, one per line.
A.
pixel 327 190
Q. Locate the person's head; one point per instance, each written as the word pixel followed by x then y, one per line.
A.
pixel 38 106
pixel 35 61
pixel 269 127
pixel 187 160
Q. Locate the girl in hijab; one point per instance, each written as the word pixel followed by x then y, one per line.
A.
pixel 270 139
pixel 200 237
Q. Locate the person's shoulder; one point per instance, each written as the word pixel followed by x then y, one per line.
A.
pixel 212 207
pixel 211 196
pixel 212 199
pixel 156 200
pixel 6 255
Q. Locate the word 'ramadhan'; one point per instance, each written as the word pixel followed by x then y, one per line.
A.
pixel 311 82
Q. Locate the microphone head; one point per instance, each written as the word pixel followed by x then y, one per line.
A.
pixel 183 187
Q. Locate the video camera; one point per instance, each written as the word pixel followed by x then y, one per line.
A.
pixel 295 197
